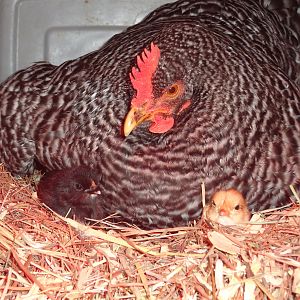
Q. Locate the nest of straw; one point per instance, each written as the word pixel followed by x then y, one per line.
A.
pixel 46 256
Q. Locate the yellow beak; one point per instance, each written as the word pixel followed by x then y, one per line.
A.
pixel 133 119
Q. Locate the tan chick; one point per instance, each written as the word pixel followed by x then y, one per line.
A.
pixel 227 207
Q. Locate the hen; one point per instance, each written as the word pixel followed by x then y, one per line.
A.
pixel 199 91
pixel 72 192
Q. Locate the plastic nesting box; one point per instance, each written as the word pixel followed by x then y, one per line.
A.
pixel 58 30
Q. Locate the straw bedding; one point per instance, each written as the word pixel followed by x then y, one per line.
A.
pixel 45 256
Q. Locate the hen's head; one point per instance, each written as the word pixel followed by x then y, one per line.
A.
pixel 161 109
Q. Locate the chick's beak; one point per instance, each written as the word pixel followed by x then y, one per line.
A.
pixel 94 189
pixel 224 212
pixel 134 117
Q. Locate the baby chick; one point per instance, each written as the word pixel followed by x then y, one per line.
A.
pixel 72 192
pixel 227 207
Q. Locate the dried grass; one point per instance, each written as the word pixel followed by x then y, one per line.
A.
pixel 45 256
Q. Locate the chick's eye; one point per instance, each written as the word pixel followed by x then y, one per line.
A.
pixel 237 207
pixel 78 187
pixel 213 203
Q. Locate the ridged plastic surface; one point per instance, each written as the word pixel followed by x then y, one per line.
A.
pixel 58 30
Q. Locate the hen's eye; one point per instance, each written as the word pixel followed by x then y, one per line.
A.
pixel 78 187
pixel 213 203
pixel 237 207
pixel 173 90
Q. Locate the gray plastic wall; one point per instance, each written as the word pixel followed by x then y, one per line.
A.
pixel 58 30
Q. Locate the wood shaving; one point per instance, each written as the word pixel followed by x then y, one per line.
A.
pixel 46 256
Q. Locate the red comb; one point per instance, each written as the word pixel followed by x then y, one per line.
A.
pixel 141 78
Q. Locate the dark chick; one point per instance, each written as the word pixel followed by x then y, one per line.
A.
pixel 199 91
pixel 72 192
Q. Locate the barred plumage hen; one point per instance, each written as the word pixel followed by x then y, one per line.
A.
pixel 199 91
